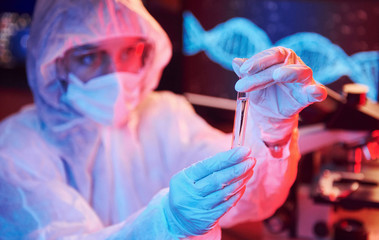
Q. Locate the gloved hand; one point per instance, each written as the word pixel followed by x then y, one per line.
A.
pixel 280 85
pixel 202 193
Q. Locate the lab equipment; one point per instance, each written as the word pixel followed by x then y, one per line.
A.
pixel 240 119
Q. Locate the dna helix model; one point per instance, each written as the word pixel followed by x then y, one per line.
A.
pixel 240 37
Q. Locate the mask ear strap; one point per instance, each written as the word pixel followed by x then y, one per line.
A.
pixel 61 74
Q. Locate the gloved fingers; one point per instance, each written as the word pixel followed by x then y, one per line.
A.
pixel 293 73
pixel 291 57
pixel 216 198
pixel 299 78
pixel 216 163
pixel 316 93
pixel 264 60
pixel 236 64
pixel 221 179
pixel 257 81
pixel 225 206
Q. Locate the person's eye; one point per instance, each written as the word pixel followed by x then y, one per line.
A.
pixel 88 59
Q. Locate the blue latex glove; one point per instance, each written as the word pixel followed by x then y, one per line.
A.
pixel 280 85
pixel 202 193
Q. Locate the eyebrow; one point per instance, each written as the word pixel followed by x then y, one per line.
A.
pixel 85 47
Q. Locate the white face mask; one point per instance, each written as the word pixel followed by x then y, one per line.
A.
pixel 107 99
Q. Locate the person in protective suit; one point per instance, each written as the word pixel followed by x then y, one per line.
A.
pixel 100 155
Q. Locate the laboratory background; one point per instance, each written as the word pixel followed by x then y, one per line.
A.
pixel 336 193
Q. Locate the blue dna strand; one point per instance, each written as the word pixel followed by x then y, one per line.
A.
pixel 327 60
pixel 369 71
pixel 224 42
pixel 239 37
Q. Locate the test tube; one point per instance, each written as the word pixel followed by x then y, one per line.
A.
pixel 240 119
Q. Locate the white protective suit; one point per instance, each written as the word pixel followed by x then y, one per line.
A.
pixel 63 176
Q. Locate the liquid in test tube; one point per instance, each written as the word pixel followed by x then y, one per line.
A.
pixel 240 119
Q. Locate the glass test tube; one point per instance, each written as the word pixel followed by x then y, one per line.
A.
pixel 240 119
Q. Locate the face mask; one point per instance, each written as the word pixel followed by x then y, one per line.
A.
pixel 107 99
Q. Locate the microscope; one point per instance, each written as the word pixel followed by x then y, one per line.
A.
pixel 340 149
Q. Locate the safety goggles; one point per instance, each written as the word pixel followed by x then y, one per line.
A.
pixel 123 54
